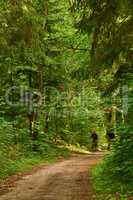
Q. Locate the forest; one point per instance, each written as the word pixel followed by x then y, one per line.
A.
pixel 65 72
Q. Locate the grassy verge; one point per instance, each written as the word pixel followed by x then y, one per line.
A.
pixel 107 182
pixel 10 166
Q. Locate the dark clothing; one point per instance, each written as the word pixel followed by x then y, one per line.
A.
pixel 110 135
pixel 94 138
pixel 110 138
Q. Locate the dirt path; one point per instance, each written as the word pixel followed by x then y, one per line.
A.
pixel 65 180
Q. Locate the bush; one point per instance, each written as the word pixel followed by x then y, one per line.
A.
pixel 115 173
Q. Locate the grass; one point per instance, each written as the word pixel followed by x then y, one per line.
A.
pixel 107 185
pixel 48 153
pixel 26 162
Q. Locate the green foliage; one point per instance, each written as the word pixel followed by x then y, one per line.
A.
pixel 105 174
pixel 115 173
pixel 10 166
pixel 78 74
pixel 109 25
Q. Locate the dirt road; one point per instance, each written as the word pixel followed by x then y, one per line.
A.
pixel 65 180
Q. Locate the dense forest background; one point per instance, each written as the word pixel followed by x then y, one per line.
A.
pixel 66 68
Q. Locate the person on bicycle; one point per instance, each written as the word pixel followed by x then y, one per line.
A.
pixel 94 138
pixel 110 136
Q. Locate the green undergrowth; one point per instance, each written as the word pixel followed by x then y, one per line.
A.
pixel 21 163
pixel 110 182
